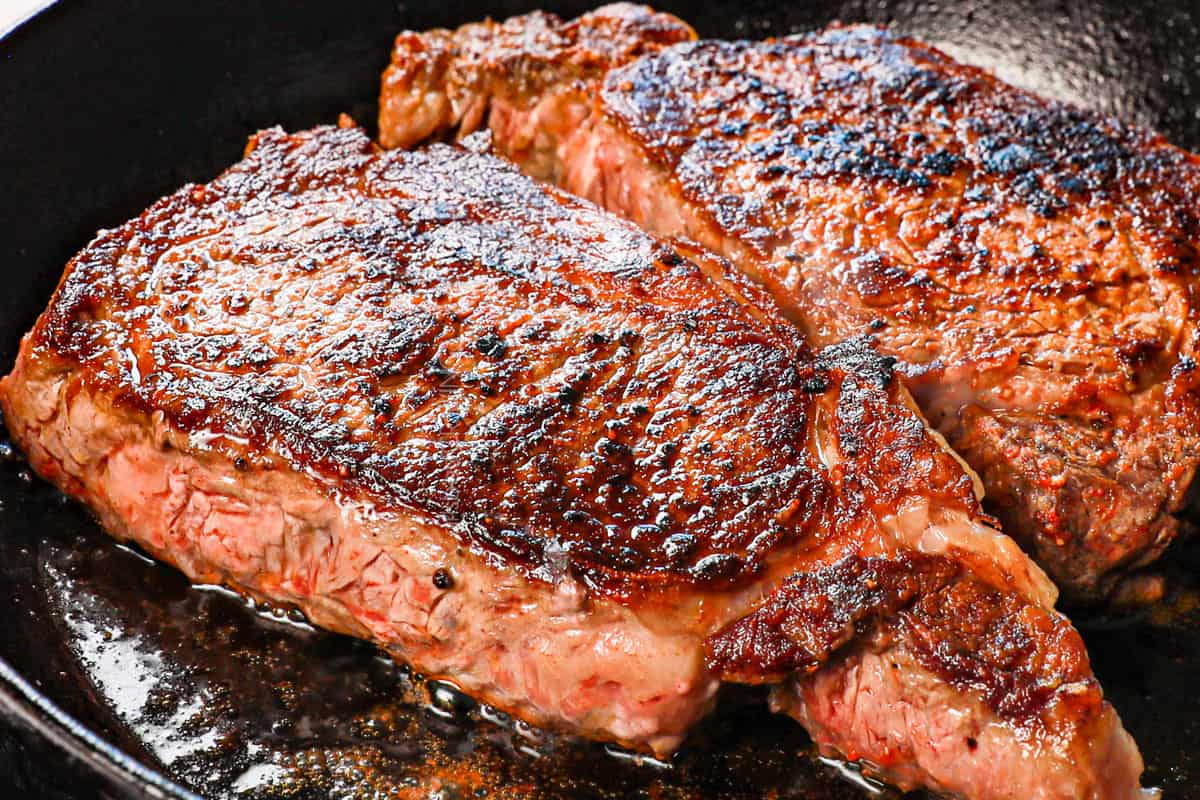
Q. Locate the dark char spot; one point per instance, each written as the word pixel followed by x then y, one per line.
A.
pixel 442 579
pixel 491 345
pixel 716 567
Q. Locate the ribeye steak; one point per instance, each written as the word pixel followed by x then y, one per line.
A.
pixel 583 473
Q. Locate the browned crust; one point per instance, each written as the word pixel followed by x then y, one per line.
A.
pixel 435 331
pixel 1033 265
pixel 872 108
pixel 1024 661
pixel 1020 659
pixel 815 613
pixel 998 238
pixel 581 49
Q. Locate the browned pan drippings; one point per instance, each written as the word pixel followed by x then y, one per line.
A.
pixel 255 704
pixel 260 705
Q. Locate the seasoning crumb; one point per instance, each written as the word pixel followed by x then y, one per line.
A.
pixel 442 579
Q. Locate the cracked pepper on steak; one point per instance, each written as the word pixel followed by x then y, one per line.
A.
pixel 1032 265
pixel 587 475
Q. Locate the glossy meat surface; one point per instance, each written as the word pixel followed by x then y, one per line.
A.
pixel 399 327
pixel 1033 266
pixel 532 450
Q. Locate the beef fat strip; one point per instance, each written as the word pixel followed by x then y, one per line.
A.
pixel 585 475
pixel 1032 265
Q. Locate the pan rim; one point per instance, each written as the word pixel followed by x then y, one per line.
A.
pixel 25 17
pixel 24 704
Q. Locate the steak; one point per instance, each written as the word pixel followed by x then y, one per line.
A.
pixel 586 475
pixel 1032 265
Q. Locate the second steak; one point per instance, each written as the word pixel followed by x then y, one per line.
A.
pixel 1033 266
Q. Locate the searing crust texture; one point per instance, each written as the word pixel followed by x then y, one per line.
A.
pixel 1032 266
pixel 565 394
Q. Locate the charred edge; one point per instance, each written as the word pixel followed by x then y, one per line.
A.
pixel 1019 657
pixel 857 356
pixel 814 614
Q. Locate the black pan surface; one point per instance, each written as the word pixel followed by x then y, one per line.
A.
pixel 158 689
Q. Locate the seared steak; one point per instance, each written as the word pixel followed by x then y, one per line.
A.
pixel 1032 265
pixel 584 474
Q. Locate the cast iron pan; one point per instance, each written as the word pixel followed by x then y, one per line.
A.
pixel 155 688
